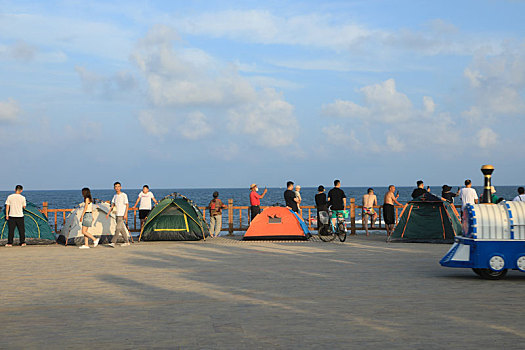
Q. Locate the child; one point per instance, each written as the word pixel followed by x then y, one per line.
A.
pixel 120 201
pixel 87 219
pixel 14 214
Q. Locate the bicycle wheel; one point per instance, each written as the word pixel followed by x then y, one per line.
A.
pixel 325 235
pixel 341 232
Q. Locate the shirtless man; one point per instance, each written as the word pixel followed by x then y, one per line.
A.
pixel 369 201
pixel 389 213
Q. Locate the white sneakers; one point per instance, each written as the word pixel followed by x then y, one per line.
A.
pixel 95 243
pixel 83 247
pixel 125 244
pixel 112 245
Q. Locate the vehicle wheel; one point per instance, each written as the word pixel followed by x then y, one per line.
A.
pixel 341 232
pixel 325 235
pixel 492 275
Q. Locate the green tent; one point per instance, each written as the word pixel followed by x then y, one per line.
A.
pixel 37 226
pixel 174 218
pixel 427 219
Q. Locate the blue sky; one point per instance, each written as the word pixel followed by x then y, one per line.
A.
pixel 223 94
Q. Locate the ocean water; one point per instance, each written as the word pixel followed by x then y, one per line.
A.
pixel 64 199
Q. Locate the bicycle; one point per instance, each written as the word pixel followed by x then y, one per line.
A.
pixel 328 230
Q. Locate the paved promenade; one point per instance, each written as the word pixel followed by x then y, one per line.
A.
pixel 227 294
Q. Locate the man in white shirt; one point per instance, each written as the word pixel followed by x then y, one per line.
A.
pixel 120 201
pixel 468 195
pixel 521 195
pixel 14 214
pixel 145 198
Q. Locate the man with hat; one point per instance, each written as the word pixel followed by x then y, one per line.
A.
pixel 447 195
pixel 255 200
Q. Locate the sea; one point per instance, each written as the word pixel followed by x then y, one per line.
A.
pixel 65 199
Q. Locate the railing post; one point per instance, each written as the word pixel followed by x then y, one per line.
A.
pixel 230 216
pixel 45 206
pixel 352 216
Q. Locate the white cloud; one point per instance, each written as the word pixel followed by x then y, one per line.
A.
pixel 382 102
pixel 195 127
pixel 269 120
pixel 395 144
pixel 152 124
pixel 342 137
pixel 9 110
pixel 190 80
pixel 106 86
pixel 487 138
pixel 428 103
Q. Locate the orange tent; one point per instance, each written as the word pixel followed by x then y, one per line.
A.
pixel 277 223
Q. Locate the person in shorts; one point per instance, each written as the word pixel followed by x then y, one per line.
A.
pixel 369 201
pixel 336 200
pixel 321 204
pixel 14 215
pixel 145 197
pixel 86 219
pixel 389 213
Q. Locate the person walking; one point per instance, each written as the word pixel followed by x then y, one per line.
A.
pixel 86 219
pixel 321 204
pixel 289 197
pixel 389 213
pixel 120 201
pixel 369 201
pixel 216 206
pixel 521 195
pixel 468 195
pixel 255 201
pixel 14 215
pixel 145 197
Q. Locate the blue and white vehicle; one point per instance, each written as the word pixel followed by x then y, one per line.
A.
pixel 493 240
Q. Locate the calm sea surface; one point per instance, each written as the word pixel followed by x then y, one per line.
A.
pixel 71 198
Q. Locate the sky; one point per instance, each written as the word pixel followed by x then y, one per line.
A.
pixel 191 94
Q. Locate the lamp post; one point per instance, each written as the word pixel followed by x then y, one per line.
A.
pixel 487 171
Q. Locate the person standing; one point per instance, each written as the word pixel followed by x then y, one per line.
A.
pixel 255 201
pixel 14 215
pixel 420 190
pixel 289 197
pixel 145 197
pixel 447 194
pixel 120 201
pixel 321 203
pixel 369 201
pixel 389 213
pixel 216 206
pixel 521 195
pixel 336 200
pixel 86 219
pixel 468 195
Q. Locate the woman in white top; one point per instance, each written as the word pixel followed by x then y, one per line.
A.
pixel 86 219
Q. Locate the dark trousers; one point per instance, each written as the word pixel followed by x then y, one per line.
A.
pixel 254 210
pixel 16 223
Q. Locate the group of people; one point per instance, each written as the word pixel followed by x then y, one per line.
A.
pixel 335 200
pixel 16 203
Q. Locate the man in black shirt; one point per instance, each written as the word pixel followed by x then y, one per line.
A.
pixel 336 199
pixel 320 203
pixel 289 197
pixel 420 189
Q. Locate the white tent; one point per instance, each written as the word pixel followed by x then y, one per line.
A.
pixel 102 227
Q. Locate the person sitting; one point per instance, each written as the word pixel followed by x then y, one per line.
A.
pixel 420 190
